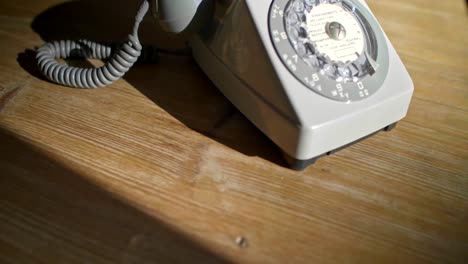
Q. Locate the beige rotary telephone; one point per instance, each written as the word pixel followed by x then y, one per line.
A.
pixel 313 75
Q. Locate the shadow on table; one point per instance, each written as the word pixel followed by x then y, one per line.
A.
pixel 176 83
pixel 55 215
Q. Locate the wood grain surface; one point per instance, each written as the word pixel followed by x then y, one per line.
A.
pixel 161 168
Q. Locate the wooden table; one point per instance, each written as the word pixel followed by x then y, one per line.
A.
pixel 160 167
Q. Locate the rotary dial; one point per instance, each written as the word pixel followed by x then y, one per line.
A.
pixel 334 47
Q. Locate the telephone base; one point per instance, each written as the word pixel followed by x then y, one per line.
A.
pixel 300 165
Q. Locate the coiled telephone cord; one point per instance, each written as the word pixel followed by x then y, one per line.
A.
pixel 120 61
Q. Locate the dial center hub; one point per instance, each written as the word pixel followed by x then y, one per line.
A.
pixel 335 30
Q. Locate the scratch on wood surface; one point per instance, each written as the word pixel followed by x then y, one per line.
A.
pixel 7 97
pixel 209 169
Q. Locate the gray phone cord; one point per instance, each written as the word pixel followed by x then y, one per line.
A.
pixel 120 61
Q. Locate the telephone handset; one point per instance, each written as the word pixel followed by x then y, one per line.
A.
pixel 313 75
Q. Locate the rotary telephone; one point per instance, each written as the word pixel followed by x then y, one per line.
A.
pixel 313 75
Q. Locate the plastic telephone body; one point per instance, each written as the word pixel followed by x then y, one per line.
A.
pixel 238 53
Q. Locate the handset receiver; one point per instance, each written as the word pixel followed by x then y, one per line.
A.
pixel 175 15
